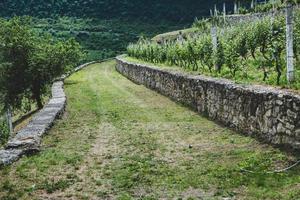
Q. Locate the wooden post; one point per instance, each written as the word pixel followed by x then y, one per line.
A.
pixel 180 38
pixel 224 11
pixel 9 121
pixel 252 4
pixel 289 42
pixel 214 43
pixel 216 11
pixel 235 8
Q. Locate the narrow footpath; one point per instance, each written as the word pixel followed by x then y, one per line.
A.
pixel 119 140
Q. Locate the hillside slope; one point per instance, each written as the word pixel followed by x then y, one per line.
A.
pixel 174 10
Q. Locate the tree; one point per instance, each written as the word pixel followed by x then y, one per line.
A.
pixel 48 61
pixel 16 46
pixel 31 61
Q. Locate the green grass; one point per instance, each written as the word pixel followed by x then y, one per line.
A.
pixel 119 140
pixel 248 75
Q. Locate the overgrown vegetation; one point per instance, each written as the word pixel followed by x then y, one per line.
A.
pixel 146 10
pixel 29 62
pixel 4 130
pixel 249 52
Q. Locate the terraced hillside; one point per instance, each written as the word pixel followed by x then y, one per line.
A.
pixel 119 140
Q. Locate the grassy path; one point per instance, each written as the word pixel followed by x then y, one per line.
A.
pixel 119 140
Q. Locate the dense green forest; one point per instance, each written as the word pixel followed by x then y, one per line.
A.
pixel 149 10
pixel 104 28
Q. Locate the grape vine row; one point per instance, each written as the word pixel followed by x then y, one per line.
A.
pixel 250 47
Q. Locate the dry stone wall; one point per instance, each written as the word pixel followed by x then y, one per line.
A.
pixel 269 114
pixel 28 140
pixel 236 19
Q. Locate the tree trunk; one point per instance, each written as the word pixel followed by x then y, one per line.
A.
pixel 37 97
pixel 289 43
pixel 39 102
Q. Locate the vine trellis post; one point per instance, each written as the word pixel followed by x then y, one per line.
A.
pixel 235 8
pixel 216 11
pixel 224 11
pixel 214 43
pixel 289 43
pixel 255 5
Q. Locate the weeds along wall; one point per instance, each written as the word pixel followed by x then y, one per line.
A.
pixel 4 129
pixel 263 112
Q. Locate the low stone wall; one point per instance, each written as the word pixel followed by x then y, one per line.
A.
pixel 236 19
pixel 266 113
pixel 28 140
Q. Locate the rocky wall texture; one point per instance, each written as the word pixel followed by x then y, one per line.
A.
pixel 28 140
pixel 269 114
pixel 236 19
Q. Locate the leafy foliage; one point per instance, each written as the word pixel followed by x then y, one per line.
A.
pixel 31 61
pixel 151 10
pixel 258 46
pixel 101 38
pixel 275 4
pixel 4 130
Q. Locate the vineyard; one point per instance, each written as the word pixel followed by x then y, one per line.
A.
pixel 246 52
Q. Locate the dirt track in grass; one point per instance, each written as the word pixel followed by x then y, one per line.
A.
pixel 119 140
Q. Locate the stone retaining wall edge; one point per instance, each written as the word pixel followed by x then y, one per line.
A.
pixel 267 113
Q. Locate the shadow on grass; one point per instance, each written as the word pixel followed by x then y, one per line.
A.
pixel 24 117
pixel 68 82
